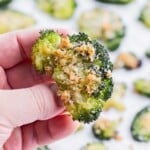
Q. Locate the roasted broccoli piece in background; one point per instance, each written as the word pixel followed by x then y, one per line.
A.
pixel 116 1
pixel 61 9
pixel 105 129
pixel 102 25
pixel 142 86
pixel 147 53
pixel 116 99
pixel 4 2
pixel 145 14
pixel 140 128
pixel 43 148
pixel 81 68
pixel 11 20
pixel 128 61
pixel 94 146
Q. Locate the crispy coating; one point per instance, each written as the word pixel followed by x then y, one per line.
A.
pixel 102 25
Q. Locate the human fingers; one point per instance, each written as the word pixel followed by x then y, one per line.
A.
pixel 24 75
pixel 45 132
pixel 24 106
pixel 17 46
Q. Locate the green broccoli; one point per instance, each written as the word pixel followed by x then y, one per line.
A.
pixel 147 53
pixel 145 15
pixel 4 2
pixel 140 127
pixel 105 129
pixel 81 68
pixel 94 146
pixel 116 1
pixel 102 25
pixel 43 148
pixel 142 86
pixel 11 20
pixel 61 9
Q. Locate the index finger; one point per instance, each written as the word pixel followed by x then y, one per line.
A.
pixel 15 47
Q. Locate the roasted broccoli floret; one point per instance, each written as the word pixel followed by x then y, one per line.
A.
pixel 43 148
pixel 81 68
pixel 61 9
pixel 103 25
pixel 145 14
pixel 147 53
pixel 11 20
pixel 142 86
pixel 116 99
pixel 105 129
pixel 140 127
pixel 116 1
pixel 4 2
pixel 128 61
pixel 94 146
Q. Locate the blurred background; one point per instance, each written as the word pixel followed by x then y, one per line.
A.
pixel 123 26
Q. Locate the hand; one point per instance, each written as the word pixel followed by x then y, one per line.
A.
pixel 30 112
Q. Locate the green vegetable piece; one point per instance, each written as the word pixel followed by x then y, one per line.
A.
pixel 105 129
pixel 116 99
pixel 116 1
pixel 140 127
pixel 43 148
pixel 145 15
pixel 147 53
pixel 94 146
pixel 103 25
pixel 12 20
pixel 61 9
pixel 4 2
pixel 142 86
pixel 127 60
pixel 81 68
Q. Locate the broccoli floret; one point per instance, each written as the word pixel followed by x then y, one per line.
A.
pixel 94 146
pixel 102 25
pixel 128 61
pixel 142 86
pixel 145 15
pixel 11 20
pixel 61 9
pixel 140 128
pixel 147 53
pixel 4 2
pixel 43 148
pixel 81 68
pixel 116 1
pixel 116 99
pixel 105 129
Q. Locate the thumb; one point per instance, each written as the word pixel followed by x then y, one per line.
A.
pixel 23 106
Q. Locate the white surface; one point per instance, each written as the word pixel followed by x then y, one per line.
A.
pixel 137 39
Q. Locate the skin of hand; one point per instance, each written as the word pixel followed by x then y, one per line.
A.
pixel 31 114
